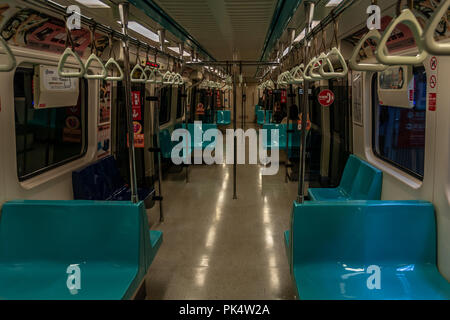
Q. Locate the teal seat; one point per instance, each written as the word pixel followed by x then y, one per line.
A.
pixel 200 129
pixel 109 241
pixel 166 144
pixel 223 117
pixel 360 181
pixel 260 117
pixel 269 114
pixel 341 249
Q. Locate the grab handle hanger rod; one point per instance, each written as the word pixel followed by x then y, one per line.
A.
pixel 123 11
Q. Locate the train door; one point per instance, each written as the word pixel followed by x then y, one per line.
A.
pixel 329 142
pixel 141 119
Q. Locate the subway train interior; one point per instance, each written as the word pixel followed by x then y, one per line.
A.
pixel 224 150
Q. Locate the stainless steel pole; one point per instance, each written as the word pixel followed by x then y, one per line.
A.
pixel 235 128
pixel 305 109
pixel 123 11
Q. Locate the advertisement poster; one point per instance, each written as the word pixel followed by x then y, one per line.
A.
pixel 72 128
pixel 103 141
pixel 104 121
pixel 35 30
pixel 104 116
pixel 139 137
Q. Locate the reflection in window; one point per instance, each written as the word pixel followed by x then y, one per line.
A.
pixel 46 138
pixel 399 133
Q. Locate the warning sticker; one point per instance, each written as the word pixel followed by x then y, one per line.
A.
pixel 432 101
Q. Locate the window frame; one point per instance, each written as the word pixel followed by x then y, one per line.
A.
pixel 84 92
pixel 374 86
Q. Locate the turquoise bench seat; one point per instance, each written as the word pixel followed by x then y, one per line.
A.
pixel 109 241
pixel 166 143
pixel 338 246
pixel 200 129
pixel 223 117
pixel 360 181
pixel 260 117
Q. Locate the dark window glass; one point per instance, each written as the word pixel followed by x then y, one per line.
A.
pixel 165 105
pixel 399 133
pixel 179 103
pixel 46 138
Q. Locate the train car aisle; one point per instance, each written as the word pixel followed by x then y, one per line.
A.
pixel 219 248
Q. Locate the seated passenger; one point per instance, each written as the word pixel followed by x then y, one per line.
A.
pixel 278 115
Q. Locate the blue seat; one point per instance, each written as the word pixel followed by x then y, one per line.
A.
pixel 360 181
pixel 108 241
pixel 223 117
pixel 338 247
pixel 102 181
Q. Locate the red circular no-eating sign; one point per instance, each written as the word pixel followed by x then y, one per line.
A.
pixel 326 98
pixel 433 63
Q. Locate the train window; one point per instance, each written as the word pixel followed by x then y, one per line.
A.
pixel 46 138
pixel 165 105
pixel 179 103
pixel 399 133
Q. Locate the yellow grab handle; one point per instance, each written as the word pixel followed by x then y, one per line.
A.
pixel 306 71
pixel 431 45
pixel 89 61
pixel 407 18
pixel 62 62
pixel 374 35
pixel 112 62
pixel 12 63
pixel 329 75
pixel 143 78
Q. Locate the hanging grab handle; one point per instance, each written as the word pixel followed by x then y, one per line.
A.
pixel 93 58
pixel 12 63
pixel 113 63
pixel 142 79
pixel 62 63
pixel 297 74
pixel 334 52
pixel 67 53
pixel 431 45
pixel 406 17
pixel 374 35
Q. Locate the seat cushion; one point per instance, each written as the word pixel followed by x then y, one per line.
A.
pixel 42 280
pixel 340 281
pixel 330 194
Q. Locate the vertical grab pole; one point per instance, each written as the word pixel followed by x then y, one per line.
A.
pixel 157 106
pixel 241 77
pixel 123 11
pixel 186 124
pixel 305 107
pixel 235 128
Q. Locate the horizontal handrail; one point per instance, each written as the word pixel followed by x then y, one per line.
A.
pixel 12 63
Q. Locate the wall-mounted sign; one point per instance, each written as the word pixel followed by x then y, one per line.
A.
pixel 326 98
